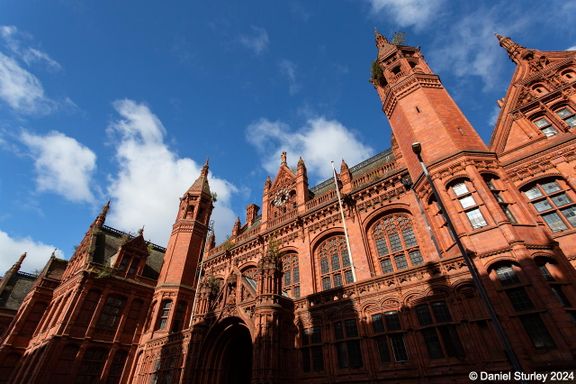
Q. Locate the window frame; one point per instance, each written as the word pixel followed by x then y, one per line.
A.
pixel 291 275
pixel 396 244
pixel 463 190
pixel 545 203
pixel 438 330
pixel 334 263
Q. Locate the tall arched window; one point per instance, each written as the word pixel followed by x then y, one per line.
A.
pixel 164 313
pixel 291 275
pixel 334 262
pixel 463 190
pixel 396 243
pixel 553 200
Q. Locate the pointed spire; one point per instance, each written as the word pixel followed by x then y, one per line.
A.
pixel 267 183
pixel 101 218
pixel 204 171
pixel 141 231
pixel 515 51
pixel 236 228
pixel 345 174
pixel 383 45
pixel 201 183
pixel 301 168
pixel 18 264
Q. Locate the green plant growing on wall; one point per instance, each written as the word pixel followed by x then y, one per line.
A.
pixel 377 75
pixel 214 284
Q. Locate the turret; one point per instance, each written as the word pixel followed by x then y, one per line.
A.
pixel 418 106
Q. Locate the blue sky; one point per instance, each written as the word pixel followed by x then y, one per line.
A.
pixel 124 100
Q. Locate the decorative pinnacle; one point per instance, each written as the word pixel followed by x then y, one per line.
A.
pixel 204 171
pixel 141 231
pixel 515 51
pixel 301 162
pixel 102 216
pixel 283 158
pixel 21 259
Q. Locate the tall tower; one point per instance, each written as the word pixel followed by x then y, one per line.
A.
pixel 418 107
pixel 174 294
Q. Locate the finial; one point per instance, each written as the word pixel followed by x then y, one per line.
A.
pixel 300 162
pixel 515 51
pixel 283 158
pixel 204 171
pixel 380 40
pixel 53 255
pixel 102 216
pixel 141 231
pixel 21 259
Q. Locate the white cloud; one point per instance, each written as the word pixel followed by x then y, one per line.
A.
pixel 288 70
pixel 20 89
pixel 63 165
pixel 151 177
pixel 14 40
pixel 572 48
pixel 469 46
pixel 37 253
pixel 408 13
pixel 318 142
pixel 257 41
pixel 494 116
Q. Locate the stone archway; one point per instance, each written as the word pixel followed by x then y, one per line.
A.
pixel 228 354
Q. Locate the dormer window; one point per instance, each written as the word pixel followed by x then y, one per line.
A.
pixel 545 126
pixel 396 70
pixel 568 115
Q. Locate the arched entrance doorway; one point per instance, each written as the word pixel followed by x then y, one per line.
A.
pixel 229 354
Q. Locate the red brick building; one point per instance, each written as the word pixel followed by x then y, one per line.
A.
pixel 283 300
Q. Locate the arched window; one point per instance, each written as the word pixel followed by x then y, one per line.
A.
pixel 291 275
pixel 567 114
pixel 396 243
pixel 554 202
pixel 111 312
pixel 539 89
pixel 569 75
pixel 544 125
pixel 550 272
pixel 497 189
pixel 462 190
pixel 334 262
pixel 164 313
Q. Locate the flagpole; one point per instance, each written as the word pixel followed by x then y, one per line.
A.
pixel 344 223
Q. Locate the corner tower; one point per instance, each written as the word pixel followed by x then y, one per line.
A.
pixel 174 294
pixel 418 107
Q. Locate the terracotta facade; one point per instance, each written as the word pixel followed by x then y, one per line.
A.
pixel 285 300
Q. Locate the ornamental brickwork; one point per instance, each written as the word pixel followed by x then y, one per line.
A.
pixel 283 299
